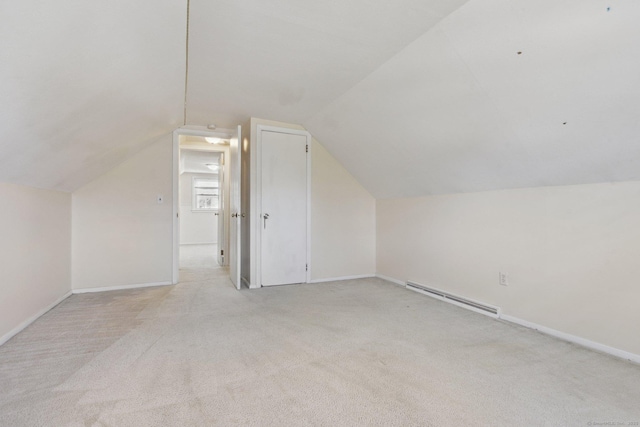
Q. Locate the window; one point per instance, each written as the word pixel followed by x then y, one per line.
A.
pixel 205 194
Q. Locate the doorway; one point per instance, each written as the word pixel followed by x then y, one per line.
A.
pixel 201 197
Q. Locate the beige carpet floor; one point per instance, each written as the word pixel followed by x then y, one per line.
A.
pixel 361 352
pixel 198 256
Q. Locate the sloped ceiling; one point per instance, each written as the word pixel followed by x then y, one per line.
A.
pixel 500 94
pixel 286 59
pixel 85 84
pixel 414 97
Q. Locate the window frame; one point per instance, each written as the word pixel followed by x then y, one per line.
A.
pixel 194 195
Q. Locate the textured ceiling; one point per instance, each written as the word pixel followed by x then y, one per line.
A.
pixel 414 97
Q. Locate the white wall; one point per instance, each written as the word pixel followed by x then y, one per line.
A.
pixel 342 220
pixel 121 235
pixel 571 253
pixel 199 226
pixel 35 251
pixel 342 215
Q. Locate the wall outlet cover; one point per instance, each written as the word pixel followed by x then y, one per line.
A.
pixel 503 278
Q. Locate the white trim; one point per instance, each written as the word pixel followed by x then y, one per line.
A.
pixel 175 274
pixel 187 131
pixel 6 337
pixel 235 208
pixel 256 210
pixel 336 279
pixel 543 329
pixel 592 345
pixel 194 207
pixel 193 130
pixel 573 339
pixel 246 282
pixel 391 279
pixel 309 148
pixel 198 243
pixel 119 288
pixel 209 211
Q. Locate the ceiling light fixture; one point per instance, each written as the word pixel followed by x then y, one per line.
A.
pixel 213 140
pixel 212 166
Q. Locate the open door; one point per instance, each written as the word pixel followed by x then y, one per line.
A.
pixel 235 151
pixel 221 210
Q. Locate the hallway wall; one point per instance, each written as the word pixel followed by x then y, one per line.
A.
pixel 195 227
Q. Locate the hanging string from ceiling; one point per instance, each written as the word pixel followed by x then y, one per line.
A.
pixel 186 65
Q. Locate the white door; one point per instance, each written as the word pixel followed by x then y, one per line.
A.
pixel 235 206
pixel 221 210
pixel 283 220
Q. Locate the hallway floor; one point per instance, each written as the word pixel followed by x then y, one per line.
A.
pixel 199 256
pixel 361 352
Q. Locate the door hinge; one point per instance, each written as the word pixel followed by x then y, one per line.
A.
pixel 222 252
pixel 306 267
pixel 307 148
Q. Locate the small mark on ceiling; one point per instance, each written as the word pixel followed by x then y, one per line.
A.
pixel 608 9
pixel 519 53
pixel 564 123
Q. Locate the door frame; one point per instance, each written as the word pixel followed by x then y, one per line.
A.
pixel 187 131
pixel 257 207
pixel 235 202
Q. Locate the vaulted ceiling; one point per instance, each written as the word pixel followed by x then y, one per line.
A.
pixel 414 97
pixel 500 94
pixel 85 84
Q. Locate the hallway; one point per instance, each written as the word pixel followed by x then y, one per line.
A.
pixel 198 256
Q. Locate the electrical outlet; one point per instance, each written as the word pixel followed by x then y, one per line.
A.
pixel 503 278
pixel 160 199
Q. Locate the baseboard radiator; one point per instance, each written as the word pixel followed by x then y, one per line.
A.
pixel 476 306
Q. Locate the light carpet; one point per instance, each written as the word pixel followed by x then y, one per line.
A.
pixel 360 352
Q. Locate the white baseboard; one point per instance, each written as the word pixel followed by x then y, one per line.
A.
pixel 6 337
pixel 246 283
pixel 197 243
pixel 573 339
pixel 549 331
pixel 119 288
pixel 391 279
pixel 335 279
